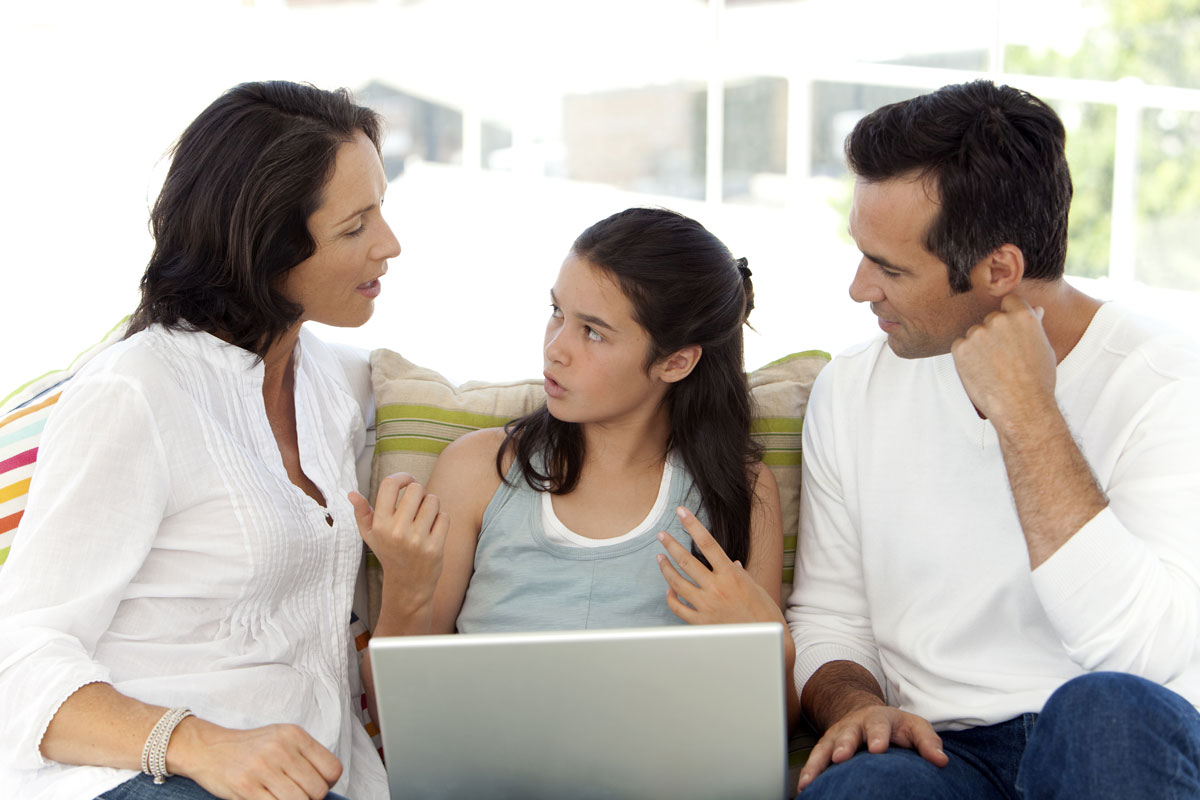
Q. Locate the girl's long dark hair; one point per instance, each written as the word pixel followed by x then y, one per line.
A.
pixel 686 289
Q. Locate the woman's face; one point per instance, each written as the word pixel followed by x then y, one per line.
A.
pixel 338 284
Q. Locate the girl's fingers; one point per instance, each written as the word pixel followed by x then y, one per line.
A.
pixel 362 510
pixel 441 526
pixel 680 608
pixel 676 582
pixel 705 543
pixel 409 504
pixel 688 564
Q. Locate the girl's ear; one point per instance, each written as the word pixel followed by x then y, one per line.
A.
pixel 679 364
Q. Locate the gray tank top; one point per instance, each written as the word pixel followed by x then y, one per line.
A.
pixel 523 581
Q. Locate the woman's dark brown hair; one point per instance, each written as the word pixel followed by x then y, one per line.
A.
pixel 232 216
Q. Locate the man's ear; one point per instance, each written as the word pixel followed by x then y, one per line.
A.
pixel 1001 271
pixel 679 364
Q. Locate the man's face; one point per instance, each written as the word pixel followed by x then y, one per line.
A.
pixel 906 285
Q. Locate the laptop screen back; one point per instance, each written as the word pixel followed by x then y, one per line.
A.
pixel 689 711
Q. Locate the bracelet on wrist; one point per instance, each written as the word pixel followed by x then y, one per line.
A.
pixel 154 752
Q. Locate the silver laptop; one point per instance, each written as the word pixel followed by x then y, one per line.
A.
pixel 690 711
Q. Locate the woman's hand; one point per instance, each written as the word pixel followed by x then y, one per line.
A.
pixel 407 532
pixel 725 593
pixel 269 763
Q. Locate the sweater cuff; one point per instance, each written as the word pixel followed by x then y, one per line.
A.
pixel 811 658
pixel 1083 564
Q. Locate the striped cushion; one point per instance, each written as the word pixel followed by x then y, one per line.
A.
pixel 419 412
pixel 20 431
pixel 23 415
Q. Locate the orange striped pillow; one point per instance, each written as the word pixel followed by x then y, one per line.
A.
pixel 23 415
pixel 20 431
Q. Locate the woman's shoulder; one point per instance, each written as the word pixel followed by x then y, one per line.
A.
pixel 138 361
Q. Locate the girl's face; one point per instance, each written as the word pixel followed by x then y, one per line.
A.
pixel 337 284
pixel 595 352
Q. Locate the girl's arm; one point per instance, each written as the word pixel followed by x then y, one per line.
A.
pixel 766 534
pixel 424 537
pixel 464 478
pixel 730 592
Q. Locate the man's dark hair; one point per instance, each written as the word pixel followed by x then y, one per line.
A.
pixel 232 217
pixel 995 156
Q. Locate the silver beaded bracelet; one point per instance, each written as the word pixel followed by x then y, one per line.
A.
pixel 154 752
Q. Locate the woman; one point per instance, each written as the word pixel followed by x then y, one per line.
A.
pixel 178 599
pixel 559 520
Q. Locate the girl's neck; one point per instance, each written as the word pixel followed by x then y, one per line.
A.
pixel 628 445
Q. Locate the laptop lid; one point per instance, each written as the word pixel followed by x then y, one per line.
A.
pixel 688 711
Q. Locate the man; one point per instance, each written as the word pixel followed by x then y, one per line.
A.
pixel 998 582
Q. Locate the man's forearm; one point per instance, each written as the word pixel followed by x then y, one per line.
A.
pixel 836 689
pixel 1052 484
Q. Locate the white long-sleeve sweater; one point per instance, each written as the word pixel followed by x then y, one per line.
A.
pixel 911 559
pixel 165 550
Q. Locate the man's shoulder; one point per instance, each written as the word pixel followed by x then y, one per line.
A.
pixel 858 357
pixel 1132 336
pixel 873 361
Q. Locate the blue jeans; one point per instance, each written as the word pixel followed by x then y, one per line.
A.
pixel 1101 735
pixel 142 787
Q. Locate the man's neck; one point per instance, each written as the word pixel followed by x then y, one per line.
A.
pixel 1068 312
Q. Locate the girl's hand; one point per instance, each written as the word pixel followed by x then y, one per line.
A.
pixel 725 593
pixel 274 761
pixel 407 532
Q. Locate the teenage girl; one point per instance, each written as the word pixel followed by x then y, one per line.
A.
pixel 564 518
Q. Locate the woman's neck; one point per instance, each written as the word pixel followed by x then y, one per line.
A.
pixel 278 367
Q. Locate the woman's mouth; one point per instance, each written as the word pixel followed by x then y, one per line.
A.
pixel 370 289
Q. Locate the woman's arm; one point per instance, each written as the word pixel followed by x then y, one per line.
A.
pixel 100 726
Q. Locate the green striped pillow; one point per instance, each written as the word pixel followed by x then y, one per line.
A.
pixel 419 412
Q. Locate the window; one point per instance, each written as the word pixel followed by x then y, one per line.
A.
pixel 514 124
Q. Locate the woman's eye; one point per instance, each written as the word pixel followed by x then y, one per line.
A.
pixel 357 231
pixel 591 334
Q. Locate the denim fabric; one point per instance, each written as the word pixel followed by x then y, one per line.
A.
pixel 142 787
pixel 1102 735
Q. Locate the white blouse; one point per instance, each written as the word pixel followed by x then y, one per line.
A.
pixel 164 550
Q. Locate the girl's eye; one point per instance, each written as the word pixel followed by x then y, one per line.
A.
pixel 592 335
pixel 555 311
